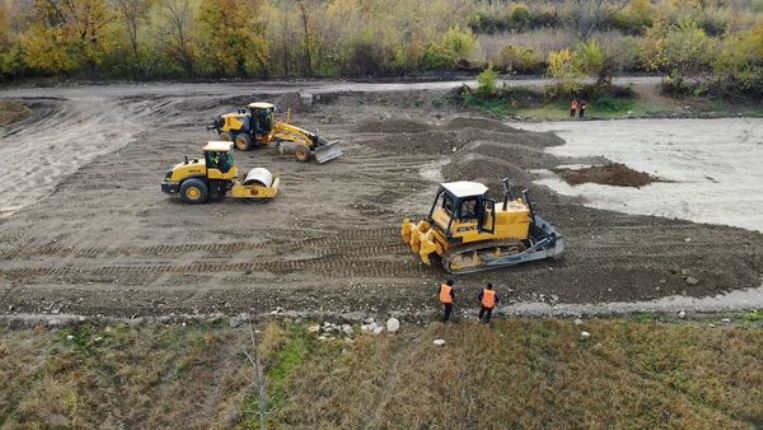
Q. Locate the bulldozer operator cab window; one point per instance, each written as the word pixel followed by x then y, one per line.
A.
pixel 469 209
pixel 446 202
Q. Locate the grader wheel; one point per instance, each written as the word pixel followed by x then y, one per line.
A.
pixel 302 153
pixel 225 136
pixel 243 142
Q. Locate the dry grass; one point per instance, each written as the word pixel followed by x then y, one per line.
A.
pixel 537 374
pixel 11 112
pixel 522 373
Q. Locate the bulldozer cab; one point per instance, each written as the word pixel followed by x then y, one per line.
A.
pixel 219 160
pixel 462 207
pixel 262 117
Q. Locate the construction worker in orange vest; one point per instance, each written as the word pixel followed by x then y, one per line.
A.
pixel 488 299
pixel 446 298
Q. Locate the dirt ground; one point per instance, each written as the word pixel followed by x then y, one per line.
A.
pixel 616 174
pixel 105 240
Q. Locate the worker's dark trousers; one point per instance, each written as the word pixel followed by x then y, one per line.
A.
pixel 582 113
pixel 487 313
pixel 572 113
pixel 448 310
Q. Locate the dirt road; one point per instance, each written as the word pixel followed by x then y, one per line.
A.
pixel 93 234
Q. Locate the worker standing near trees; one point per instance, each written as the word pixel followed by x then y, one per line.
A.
pixel 583 106
pixel 573 108
pixel 488 299
pixel 446 298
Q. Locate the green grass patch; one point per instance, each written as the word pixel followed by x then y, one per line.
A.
pixel 284 365
pixel 753 316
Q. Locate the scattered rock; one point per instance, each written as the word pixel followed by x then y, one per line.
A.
pixel 578 321
pixel 238 321
pixel 322 338
pixel 690 280
pixel 726 320
pixel 711 325
pixel 314 329
pixel 69 337
pixel 439 342
pixel 393 325
pixel 682 314
pixel 584 335
pixel 378 330
pixel 98 339
pixel 347 329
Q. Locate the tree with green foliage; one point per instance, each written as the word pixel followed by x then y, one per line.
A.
pixel 486 82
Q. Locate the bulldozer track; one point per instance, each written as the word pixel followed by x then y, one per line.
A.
pixel 330 266
pixel 355 262
pixel 326 245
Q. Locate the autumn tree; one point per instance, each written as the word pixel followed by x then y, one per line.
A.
pixel 176 32
pixel 233 38
pixel 564 68
pixel 131 13
pixel 67 35
pixel 682 50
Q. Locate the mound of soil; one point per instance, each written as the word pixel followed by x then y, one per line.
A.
pixel 11 112
pixel 393 126
pixel 616 174
pixel 460 122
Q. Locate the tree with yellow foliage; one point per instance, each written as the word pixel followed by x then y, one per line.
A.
pixel 233 39
pixel 67 35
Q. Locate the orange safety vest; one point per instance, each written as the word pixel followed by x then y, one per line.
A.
pixel 488 298
pixel 445 297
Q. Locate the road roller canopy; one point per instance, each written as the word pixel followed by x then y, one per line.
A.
pixel 261 105
pixel 217 146
pixel 463 189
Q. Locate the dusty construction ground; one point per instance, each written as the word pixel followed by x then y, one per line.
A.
pixel 105 240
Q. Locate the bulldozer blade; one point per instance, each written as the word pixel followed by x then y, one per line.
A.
pixel 327 152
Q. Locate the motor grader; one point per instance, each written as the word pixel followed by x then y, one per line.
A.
pixel 212 177
pixel 257 125
pixel 469 232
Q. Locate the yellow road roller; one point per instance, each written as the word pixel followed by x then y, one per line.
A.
pixel 215 175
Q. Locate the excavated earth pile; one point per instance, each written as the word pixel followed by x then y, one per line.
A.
pixel 105 240
pixel 616 174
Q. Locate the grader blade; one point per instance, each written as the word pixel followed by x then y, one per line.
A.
pixel 327 152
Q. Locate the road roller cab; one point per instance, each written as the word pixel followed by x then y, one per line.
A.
pixel 215 175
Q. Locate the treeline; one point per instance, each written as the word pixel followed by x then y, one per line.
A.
pixel 231 38
pixel 716 43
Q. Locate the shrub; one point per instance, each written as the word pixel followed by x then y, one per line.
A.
pixel 517 59
pixel 565 69
pixel 680 50
pixel 486 82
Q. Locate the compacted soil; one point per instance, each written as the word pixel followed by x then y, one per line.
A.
pixel 89 231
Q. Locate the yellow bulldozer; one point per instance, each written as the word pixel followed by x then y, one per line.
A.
pixel 212 177
pixel 469 232
pixel 257 125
